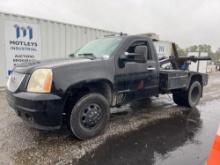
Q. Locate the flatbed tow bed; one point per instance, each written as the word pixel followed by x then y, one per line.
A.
pixel 171 80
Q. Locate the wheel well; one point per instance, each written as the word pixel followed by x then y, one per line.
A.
pixel 196 78
pixel 104 88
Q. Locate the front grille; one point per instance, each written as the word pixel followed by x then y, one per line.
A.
pixel 14 81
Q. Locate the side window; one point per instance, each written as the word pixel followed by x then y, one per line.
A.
pixel 139 43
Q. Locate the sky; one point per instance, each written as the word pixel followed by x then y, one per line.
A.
pixel 186 22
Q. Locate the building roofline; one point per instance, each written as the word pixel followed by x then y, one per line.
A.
pixel 53 21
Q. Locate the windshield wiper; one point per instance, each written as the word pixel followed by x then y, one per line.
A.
pixel 88 55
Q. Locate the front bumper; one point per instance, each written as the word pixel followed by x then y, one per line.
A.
pixel 41 111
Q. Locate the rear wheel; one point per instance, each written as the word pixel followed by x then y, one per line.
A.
pixel 189 98
pixel 89 116
pixel 178 98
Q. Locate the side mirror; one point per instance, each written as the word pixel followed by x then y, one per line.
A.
pixel 126 57
pixel 139 55
pixel 142 51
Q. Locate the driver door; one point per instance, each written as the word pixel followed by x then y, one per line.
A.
pixel 139 78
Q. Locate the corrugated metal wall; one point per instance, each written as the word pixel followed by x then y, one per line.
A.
pixel 163 48
pixel 58 40
pixel 2 52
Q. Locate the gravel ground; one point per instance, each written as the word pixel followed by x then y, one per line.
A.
pixel 20 144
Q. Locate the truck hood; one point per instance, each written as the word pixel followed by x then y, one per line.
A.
pixel 29 67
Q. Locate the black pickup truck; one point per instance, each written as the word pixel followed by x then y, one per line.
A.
pixel 106 72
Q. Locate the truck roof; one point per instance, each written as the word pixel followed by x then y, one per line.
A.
pixel 131 37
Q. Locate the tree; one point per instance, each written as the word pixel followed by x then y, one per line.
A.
pixel 199 48
pixel 181 52
pixel 202 48
pixel 193 48
pixel 216 55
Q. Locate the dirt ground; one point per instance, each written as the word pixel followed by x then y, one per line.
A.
pixel 20 144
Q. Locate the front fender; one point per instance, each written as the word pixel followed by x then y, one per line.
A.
pixel 69 76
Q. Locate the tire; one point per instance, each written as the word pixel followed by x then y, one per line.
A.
pixel 89 116
pixel 194 93
pixel 178 98
pixel 189 98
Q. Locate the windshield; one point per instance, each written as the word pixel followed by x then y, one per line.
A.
pixel 100 48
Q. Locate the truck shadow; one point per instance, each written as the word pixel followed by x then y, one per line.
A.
pixel 147 144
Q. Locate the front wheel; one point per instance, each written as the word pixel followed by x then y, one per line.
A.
pixel 89 116
pixel 189 98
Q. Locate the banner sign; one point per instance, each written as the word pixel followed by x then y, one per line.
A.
pixel 22 43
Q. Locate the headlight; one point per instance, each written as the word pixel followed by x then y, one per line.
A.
pixel 40 81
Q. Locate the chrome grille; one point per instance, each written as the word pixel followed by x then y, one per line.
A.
pixel 14 81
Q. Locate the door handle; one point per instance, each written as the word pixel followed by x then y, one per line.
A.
pixel 151 68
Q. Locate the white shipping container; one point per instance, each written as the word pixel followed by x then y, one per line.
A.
pixel 26 38
pixel 163 49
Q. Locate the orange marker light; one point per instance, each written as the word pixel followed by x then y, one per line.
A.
pixel 48 83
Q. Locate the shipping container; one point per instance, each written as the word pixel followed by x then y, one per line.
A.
pixel 26 38
pixel 163 49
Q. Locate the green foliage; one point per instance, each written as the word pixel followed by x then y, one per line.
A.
pixel 217 54
pixel 181 52
pixel 200 48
